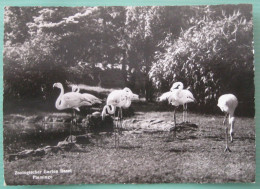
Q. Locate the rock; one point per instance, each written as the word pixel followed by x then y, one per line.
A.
pixel 70 146
pixel 128 112
pixel 47 149
pixel 95 124
pixel 79 139
pixel 39 152
pixel 12 157
pixel 82 139
pixel 25 153
pixel 68 120
pixel 135 121
pixel 155 125
pixel 157 121
pixel 55 149
pixel 96 114
pixel 59 119
pixel 70 138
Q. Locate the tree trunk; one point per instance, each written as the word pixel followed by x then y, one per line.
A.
pixel 124 74
pixel 147 55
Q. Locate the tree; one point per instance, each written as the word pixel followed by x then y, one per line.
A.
pixel 211 57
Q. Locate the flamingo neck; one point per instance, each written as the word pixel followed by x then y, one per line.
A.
pixel 179 89
pixel 59 102
pixel 112 110
pixel 181 86
pixel 231 118
pixel 178 86
pixel 77 90
pixel 128 103
pixel 108 110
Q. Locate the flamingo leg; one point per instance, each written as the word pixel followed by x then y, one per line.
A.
pixel 224 122
pixel 116 130
pixel 183 113
pixel 174 116
pixel 121 120
pixel 187 113
pixel 73 122
pixel 118 127
pixel 231 132
pixel 186 109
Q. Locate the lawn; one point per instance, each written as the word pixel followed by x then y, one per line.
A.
pixel 153 157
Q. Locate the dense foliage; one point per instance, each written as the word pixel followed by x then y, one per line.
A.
pixel 213 56
pixel 208 48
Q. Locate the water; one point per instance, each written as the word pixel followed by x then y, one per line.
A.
pixel 21 136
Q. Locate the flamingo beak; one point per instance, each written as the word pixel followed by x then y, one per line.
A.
pixel 135 97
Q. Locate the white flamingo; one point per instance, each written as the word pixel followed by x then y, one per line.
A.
pixel 184 98
pixel 70 100
pixel 228 103
pixel 176 97
pixel 120 99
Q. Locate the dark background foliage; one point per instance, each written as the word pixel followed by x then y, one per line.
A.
pixel 208 48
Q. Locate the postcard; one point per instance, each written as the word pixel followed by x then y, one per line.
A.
pixel 128 94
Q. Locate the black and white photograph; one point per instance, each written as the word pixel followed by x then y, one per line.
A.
pixel 128 94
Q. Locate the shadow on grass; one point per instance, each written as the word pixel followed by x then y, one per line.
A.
pixel 170 138
pixel 177 150
pixel 129 147
pixel 215 138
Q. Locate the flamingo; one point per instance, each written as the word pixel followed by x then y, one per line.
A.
pixel 184 101
pixel 121 99
pixel 75 88
pixel 176 97
pixel 70 100
pixel 228 103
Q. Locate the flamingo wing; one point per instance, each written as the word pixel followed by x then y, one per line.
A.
pixel 186 96
pixel 174 100
pixel 91 98
pixel 227 103
pixel 165 96
pixel 116 98
pixel 74 99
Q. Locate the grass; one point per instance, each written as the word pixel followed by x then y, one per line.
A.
pixel 153 157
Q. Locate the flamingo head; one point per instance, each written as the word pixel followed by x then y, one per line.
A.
pixel 130 94
pixel 177 85
pixel 160 99
pixel 75 88
pixel 58 85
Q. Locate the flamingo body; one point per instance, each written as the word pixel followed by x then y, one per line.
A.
pixel 120 99
pixel 180 97
pixel 91 98
pixel 228 103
